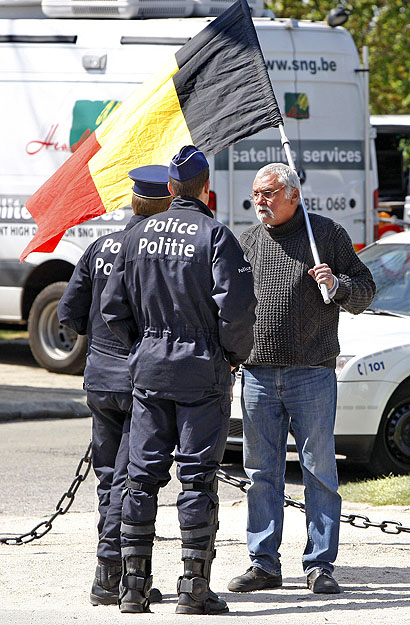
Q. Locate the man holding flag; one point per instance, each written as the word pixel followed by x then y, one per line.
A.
pixel 289 376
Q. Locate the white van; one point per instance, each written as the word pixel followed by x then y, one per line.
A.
pixel 59 78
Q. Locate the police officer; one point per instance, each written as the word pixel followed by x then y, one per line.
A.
pixel 186 328
pixel 106 377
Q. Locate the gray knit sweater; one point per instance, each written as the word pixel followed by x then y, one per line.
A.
pixel 293 324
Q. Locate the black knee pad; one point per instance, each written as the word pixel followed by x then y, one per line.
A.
pixel 145 487
pixel 208 487
pixel 142 531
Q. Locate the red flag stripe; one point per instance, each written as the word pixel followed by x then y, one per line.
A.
pixel 73 179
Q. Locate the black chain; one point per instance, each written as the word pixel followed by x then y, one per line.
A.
pixel 356 520
pixel 69 495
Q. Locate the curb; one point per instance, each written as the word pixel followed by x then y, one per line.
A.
pixel 18 404
pixel 29 392
pixel 24 411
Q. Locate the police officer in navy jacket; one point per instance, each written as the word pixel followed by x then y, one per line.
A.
pixel 106 377
pixel 180 297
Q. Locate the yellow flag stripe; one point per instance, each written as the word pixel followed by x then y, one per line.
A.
pixel 149 128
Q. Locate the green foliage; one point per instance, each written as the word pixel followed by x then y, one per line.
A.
pixel 382 25
pixel 404 146
pixel 385 491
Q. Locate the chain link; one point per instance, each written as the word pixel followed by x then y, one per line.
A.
pixel 356 520
pixel 69 495
pixel 233 481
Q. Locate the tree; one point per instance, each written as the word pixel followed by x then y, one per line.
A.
pixel 382 25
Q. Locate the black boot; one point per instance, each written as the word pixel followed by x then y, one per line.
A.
pixel 194 594
pixel 198 542
pixel 104 590
pixel 135 585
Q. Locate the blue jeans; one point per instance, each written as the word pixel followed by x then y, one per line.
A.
pixel 272 398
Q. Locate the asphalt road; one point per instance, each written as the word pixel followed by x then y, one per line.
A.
pixel 39 456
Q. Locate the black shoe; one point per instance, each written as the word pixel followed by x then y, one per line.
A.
pixel 135 601
pixel 101 596
pixel 135 585
pixel 213 605
pixel 254 579
pixel 104 590
pixel 155 595
pixel 321 581
pixel 195 597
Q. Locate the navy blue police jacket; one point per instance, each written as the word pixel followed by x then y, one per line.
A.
pixel 79 308
pixel 180 297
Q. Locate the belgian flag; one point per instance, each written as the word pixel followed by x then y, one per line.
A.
pixel 213 92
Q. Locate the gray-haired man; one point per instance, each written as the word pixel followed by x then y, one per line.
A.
pixel 289 376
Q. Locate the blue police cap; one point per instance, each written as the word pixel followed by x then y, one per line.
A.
pixel 187 164
pixel 150 182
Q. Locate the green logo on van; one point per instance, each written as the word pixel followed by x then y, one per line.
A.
pixel 297 105
pixel 87 116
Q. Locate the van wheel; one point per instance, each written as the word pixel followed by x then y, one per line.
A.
pixel 391 452
pixel 54 346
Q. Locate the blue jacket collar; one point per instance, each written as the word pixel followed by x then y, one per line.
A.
pixel 191 203
pixel 135 219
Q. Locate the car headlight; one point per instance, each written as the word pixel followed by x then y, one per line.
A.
pixel 341 362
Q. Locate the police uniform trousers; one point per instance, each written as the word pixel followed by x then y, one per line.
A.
pixel 111 417
pixel 195 430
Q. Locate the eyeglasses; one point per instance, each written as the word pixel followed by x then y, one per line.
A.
pixel 267 194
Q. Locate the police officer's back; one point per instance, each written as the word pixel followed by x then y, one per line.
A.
pixel 106 377
pixel 181 298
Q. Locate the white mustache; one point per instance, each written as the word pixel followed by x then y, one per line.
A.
pixel 264 208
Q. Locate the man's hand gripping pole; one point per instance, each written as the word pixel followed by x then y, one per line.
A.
pixel 286 146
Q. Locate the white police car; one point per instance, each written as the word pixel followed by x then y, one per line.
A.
pixel 373 369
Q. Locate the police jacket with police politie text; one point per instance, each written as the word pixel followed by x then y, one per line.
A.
pixel 79 308
pixel 180 297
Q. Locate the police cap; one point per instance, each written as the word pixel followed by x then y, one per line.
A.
pixel 188 163
pixel 150 182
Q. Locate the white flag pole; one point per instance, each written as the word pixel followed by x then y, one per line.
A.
pixel 286 146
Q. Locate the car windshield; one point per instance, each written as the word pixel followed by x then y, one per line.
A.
pixel 390 266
